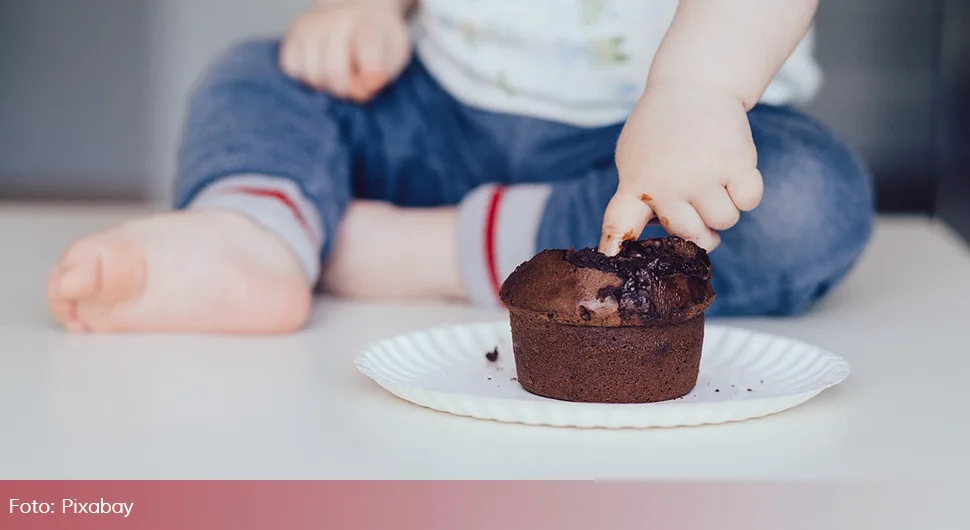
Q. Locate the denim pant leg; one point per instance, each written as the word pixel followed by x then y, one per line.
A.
pixel 246 117
pixel 411 145
pixel 814 220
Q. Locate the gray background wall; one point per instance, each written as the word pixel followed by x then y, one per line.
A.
pixel 954 185
pixel 92 91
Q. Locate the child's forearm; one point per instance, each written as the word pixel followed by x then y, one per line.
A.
pixel 401 6
pixel 736 45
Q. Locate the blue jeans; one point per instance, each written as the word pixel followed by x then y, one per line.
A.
pixel 416 145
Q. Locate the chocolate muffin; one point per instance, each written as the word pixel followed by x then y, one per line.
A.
pixel 625 329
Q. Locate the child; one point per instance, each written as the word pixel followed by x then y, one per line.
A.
pixel 337 156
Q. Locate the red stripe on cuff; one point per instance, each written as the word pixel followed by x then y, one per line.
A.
pixel 490 223
pixel 280 196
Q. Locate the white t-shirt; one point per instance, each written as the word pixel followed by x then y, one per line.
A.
pixel 581 62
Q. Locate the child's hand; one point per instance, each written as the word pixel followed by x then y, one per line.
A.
pixel 687 157
pixel 350 50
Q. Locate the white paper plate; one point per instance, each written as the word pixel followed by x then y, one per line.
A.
pixel 744 375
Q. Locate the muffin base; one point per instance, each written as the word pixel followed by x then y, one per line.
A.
pixel 601 364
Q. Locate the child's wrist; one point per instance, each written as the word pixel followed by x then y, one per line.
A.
pixel 700 87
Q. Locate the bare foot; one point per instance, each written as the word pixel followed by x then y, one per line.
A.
pixel 193 272
pixel 385 252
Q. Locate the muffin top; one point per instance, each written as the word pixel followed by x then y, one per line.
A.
pixel 650 282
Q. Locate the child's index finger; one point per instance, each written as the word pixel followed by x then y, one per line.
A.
pixel 625 218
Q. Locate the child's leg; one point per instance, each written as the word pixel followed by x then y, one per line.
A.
pixel 219 267
pixel 265 175
pixel 814 221
pixel 385 251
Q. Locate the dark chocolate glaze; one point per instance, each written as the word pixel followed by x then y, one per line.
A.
pixel 649 257
pixel 645 267
pixel 649 283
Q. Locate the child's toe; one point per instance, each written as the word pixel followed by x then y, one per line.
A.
pixel 63 310
pixel 81 279
pixel 122 273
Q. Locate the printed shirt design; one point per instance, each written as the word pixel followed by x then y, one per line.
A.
pixel 583 62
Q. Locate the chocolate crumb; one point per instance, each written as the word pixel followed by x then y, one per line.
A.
pixel 489 378
pixel 550 316
pixel 514 379
pixel 492 356
pixel 749 390
pixel 762 381
pixel 717 389
pixel 584 313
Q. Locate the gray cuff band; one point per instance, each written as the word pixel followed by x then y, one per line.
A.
pixel 264 200
pixel 516 225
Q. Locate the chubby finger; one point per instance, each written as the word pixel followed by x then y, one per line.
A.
pixel 627 214
pixel 291 58
pixel 746 189
pixel 337 60
pixel 716 209
pixel 397 50
pixel 366 71
pixel 682 220
pixel 369 63
pixel 314 71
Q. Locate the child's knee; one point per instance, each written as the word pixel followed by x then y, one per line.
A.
pixel 246 62
pixel 814 221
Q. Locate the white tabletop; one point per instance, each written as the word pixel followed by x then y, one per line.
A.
pixel 150 406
